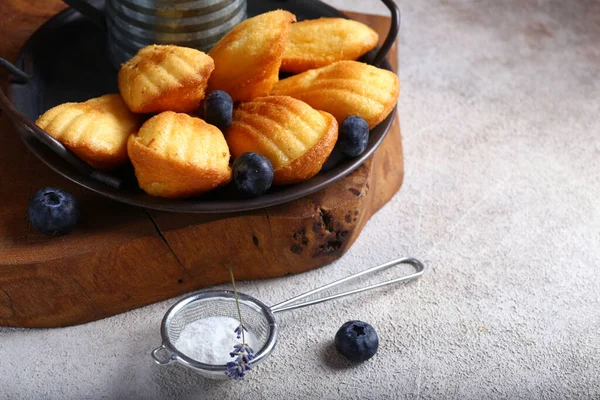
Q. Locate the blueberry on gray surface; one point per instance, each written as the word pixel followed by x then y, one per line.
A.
pixel 218 109
pixel 252 174
pixel 357 341
pixel 53 211
pixel 353 136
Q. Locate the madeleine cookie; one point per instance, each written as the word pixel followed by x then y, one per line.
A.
pixel 296 138
pixel 320 42
pixel 248 58
pixel 178 156
pixel 345 88
pixel 95 130
pixel 165 78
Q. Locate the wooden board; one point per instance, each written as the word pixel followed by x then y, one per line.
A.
pixel 121 257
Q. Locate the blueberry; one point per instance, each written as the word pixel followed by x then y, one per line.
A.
pixel 354 136
pixel 252 174
pixel 53 211
pixel 357 341
pixel 218 109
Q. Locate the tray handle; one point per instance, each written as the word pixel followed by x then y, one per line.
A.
pixel 392 33
pixel 21 121
pixel 95 14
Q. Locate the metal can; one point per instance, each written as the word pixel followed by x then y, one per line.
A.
pixel 200 24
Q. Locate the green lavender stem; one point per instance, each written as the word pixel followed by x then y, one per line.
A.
pixel 237 302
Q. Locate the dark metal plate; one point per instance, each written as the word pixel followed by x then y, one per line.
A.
pixel 68 61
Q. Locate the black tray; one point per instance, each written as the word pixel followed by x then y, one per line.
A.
pixel 66 60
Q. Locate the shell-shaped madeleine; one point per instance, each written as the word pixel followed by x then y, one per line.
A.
pixel 177 156
pixel 248 58
pixel 296 138
pixel 320 42
pixel 95 130
pixel 165 78
pixel 345 88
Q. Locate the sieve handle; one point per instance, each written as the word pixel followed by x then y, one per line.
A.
pixel 418 265
pixel 168 359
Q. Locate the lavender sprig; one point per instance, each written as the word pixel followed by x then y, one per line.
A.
pixel 238 331
pixel 242 353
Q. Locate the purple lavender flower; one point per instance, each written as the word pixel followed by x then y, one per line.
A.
pixel 238 331
pixel 243 354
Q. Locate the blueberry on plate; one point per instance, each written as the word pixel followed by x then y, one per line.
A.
pixel 218 109
pixel 53 211
pixel 357 341
pixel 353 136
pixel 252 174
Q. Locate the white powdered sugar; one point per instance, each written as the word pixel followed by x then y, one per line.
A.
pixel 210 340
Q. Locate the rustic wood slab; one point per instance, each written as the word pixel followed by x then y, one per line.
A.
pixel 121 257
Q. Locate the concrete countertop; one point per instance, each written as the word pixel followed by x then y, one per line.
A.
pixel 500 113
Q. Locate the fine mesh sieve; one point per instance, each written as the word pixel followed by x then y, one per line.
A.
pixel 258 317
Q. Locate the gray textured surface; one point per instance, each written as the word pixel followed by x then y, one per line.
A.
pixel 500 113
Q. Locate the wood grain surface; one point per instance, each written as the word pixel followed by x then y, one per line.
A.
pixel 121 257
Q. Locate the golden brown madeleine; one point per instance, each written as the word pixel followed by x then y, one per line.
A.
pixel 177 156
pixel 95 130
pixel 248 58
pixel 165 78
pixel 345 88
pixel 296 138
pixel 320 42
